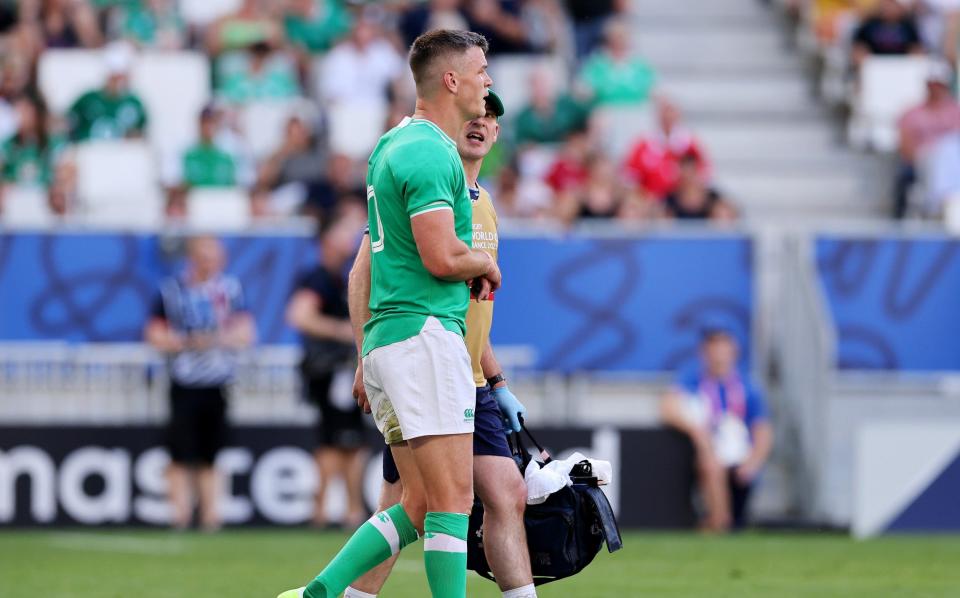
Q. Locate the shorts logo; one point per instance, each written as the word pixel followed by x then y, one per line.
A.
pixel 467 414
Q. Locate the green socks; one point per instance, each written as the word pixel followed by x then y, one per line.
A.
pixel 382 536
pixel 445 554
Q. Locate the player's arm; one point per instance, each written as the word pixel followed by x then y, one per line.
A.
pixel 446 256
pixel 358 292
pixel 510 407
pixel 358 298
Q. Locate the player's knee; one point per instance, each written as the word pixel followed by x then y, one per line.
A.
pixel 509 498
pixel 454 500
pixel 415 505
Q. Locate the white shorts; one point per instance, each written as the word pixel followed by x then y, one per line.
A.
pixel 421 386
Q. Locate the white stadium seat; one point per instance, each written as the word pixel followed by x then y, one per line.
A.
pixel 174 87
pixel 65 75
pixel 218 209
pixel 889 85
pixel 203 12
pixel 264 122
pixel 25 206
pixel 356 128
pixel 117 185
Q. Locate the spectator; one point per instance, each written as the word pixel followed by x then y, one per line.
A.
pixel 921 128
pixel 30 155
pixel 500 22
pixel 430 15
pixel 259 73
pixel 890 31
pixel 569 170
pixel 112 112
pixel 298 165
pixel 725 417
pixel 200 322
pixel 550 116
pixel 590 18
pixel 521 196
pixel 693 198
pixel 653 162
pixel 612 76
pixel 600 195
pixel 315 25
pixel 250 25
pixel 152 24
pixel 361 69
pixel 65 24
pixel 206 164
pixel 318 310
pixel 341 180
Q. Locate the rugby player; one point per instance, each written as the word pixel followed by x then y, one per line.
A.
pixel 496 478
pixel 416 368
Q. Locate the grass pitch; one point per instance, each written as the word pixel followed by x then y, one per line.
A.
pixel 260 564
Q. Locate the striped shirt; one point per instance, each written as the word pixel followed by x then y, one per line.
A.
pixel 204 307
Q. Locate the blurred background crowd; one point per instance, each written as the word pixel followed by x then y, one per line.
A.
pixel 275 104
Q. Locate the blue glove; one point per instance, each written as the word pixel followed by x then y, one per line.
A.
pixel 511 409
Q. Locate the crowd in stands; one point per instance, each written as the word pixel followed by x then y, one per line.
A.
pixel 300 90
pixel 925 120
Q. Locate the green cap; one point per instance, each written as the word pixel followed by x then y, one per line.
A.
pixel 495 103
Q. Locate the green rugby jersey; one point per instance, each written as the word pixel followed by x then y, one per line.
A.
pixel 414 168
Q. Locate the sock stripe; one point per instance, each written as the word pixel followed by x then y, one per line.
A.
pixel 384 524
pixel 443 543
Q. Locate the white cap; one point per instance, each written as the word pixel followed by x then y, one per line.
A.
pixel 118 57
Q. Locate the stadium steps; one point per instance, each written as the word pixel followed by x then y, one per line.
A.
pixel 746 93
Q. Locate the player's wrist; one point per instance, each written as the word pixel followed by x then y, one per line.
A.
pixel 497 381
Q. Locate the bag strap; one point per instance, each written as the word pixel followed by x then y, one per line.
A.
pixel 608 522
pixel 539 446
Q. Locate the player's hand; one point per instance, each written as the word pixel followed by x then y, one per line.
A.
pixel 481 289
pixel 359 391
pixel 493 275
pixel 510 408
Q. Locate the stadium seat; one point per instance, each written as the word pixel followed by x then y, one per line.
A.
pixel 888 87
pixel 65 75
pixel 263 124
pixel 174 87
pixel 511 78
pixel 116 185
pixel 621 126
pixel 25 206
pixel 201 13
pixel 355 129
pixel 218 209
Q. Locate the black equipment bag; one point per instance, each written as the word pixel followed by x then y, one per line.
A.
pixel 564 533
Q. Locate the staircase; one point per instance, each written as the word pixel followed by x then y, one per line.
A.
pixel 745 93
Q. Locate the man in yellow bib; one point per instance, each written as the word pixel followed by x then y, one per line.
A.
pixel 497 480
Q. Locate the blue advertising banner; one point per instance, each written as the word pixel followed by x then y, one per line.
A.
pixel 636 304
pixel 576 303
pixel 84 287
pixel 894 302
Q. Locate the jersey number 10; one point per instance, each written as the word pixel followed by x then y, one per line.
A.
pixel 376 233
